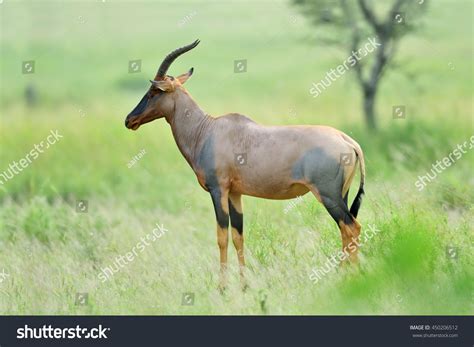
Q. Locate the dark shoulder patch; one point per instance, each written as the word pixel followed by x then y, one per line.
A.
pixel 206 163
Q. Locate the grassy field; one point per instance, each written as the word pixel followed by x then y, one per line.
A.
pixel 52 252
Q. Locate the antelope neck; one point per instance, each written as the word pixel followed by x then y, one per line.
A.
pixel 190 127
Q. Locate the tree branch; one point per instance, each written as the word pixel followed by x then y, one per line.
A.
pixel 355 39
pixel 369 16
pixel 397 6
pixel 389 24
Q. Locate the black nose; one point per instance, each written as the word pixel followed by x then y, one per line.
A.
pixel 127 120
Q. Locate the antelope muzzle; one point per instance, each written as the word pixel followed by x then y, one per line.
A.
pixel 135 118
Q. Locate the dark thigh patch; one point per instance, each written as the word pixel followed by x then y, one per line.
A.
pixel 322 171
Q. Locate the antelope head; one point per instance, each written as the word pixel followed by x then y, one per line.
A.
pixel 159 100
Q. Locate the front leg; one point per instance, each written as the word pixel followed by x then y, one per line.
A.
pixel 237 224
pixel 221 207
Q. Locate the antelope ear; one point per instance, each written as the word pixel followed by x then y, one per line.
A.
pixel 184 77
pixel 164 85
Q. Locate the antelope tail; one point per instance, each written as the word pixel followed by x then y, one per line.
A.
pixel 360 156
pixel 358 199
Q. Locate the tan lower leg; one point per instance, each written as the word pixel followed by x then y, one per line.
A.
pixel 350 240
pixel 223 241
pixel 238 241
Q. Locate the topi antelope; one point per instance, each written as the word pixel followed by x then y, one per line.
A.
pixel 233 156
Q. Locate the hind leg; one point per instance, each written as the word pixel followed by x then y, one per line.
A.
pixel 348 225
pixel 346 196
pixel 350 239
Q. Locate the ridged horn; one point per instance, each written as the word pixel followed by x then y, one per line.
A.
pixel 172 57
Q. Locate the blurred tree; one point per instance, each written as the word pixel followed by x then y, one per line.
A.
pixel 351 21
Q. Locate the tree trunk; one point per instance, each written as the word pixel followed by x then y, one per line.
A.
pixel 369 107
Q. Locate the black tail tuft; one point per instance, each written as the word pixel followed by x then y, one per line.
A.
pixel 357 202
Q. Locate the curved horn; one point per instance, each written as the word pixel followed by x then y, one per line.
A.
pixel 172 56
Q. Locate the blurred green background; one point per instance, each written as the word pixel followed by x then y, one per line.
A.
pixel 81 87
